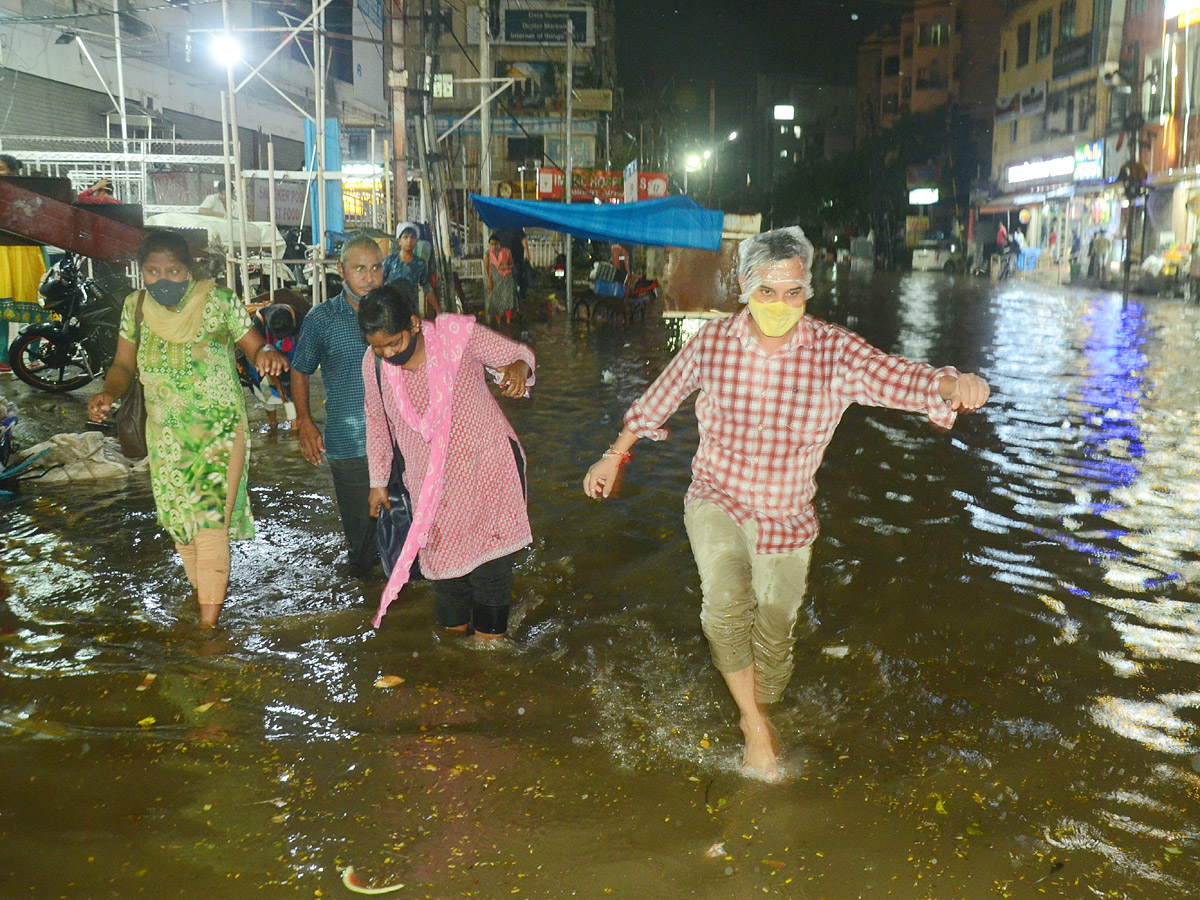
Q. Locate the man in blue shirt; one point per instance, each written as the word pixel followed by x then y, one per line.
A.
pixel 330 339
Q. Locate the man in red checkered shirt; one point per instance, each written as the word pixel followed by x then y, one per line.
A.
pixel 773 385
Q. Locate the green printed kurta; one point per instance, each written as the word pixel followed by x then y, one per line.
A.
pixel 194 406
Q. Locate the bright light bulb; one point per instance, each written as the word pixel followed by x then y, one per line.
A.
pixel 226 50
pixel 707 154
pixel 733 135
pixel 693 162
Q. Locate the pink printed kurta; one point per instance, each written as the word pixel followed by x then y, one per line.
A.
pixel 482 514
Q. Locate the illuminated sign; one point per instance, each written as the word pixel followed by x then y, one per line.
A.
pixel 1188 12
pixel 785 113
pixel 1089 161
pixel 923 196
pixel 1058 167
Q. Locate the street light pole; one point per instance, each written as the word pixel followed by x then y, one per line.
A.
pixel 568 185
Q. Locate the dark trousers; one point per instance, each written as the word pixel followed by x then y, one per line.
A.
pixel 352 487
pixel 480 598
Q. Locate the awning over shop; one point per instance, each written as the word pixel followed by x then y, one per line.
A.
pixel 1010 202
pixel 675 221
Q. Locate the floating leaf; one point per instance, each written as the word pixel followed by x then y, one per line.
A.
pixel 941 807
pixel 203 707
pixel 388 681
pixel 354 883
pixel 147 722
pixel 146 682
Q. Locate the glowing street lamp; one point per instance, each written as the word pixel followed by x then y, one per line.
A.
pixel 226 50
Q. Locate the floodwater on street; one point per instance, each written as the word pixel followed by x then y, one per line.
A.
pixel 996 689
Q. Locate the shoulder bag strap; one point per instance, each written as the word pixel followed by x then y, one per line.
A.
pixel 391 435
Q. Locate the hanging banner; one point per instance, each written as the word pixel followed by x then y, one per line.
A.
pixel 589 185
pixel 335 215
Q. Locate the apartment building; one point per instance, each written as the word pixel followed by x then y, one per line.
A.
pixel 527 52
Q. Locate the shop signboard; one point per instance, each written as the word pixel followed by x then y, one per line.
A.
pixel 1033 100
pixel 631 181
pixel 924 176
pixel 1089 161
pixel 1008 107
pixel 589 185
pixel 915 229
pixel 1072 56
pixel 518 126
pixel 1042 169
pixel 540 24
pixel 652 185
pixel 592 99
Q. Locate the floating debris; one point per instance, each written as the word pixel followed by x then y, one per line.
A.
pixel 352 882
pixel 388 681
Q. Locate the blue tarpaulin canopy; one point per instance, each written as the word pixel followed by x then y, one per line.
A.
pixel 675 221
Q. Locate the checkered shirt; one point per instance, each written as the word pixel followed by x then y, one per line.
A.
pixel 765 421
pixel 330 339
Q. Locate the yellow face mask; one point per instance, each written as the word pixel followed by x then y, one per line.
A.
pixel 775 319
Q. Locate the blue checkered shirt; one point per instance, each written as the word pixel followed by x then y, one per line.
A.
pixel 331 340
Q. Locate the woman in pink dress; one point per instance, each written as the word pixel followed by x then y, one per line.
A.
pixel 426 385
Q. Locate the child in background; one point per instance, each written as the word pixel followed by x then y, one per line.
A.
pixel 279 325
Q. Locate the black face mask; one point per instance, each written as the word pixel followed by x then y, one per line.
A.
pixel 399 359
pixel 168 293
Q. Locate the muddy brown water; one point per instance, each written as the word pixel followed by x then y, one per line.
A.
pixel 996 688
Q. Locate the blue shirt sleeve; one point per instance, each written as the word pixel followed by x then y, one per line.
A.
pixel 307 357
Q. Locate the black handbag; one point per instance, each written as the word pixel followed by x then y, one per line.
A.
pixel 392 528
pixel 130 417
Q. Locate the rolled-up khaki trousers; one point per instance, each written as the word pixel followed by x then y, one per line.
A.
pixel 206 560
pixel 750 600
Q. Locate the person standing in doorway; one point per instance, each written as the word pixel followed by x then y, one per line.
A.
pixel 330 340
pixel 773 386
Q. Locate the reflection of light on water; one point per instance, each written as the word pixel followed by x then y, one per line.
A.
pixel 1154 725
pixel 687 325
pixel 917 308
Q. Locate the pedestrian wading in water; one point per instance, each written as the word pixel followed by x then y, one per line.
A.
pixel 773 386
pixel 178 335
pixel 463 465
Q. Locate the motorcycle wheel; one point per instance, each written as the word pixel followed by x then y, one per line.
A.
pixel 52 364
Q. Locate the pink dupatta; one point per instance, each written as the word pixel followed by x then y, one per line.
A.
pixel 445 342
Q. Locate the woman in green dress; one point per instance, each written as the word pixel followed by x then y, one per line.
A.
pixel 178 335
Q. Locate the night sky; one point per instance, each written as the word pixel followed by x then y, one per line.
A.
pixel 675 48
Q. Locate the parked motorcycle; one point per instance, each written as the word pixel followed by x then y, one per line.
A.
pixel 69 352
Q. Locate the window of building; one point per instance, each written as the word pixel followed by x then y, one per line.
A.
pixel 891 66
pixel 1024 30
pixel 891 104
pixel 908 46
pixel 931 77
pixel 1066 20
pixel 1004 60
pixel 934 34
pixel 1045 34
pixel 1013 137
pixel 906 90
pixel 1136 7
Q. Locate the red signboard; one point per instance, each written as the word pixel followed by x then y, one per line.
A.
pixel 590 185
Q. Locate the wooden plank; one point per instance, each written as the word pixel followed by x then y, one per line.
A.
pixel 46 220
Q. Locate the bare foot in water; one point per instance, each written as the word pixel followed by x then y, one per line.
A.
pixel 760 758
